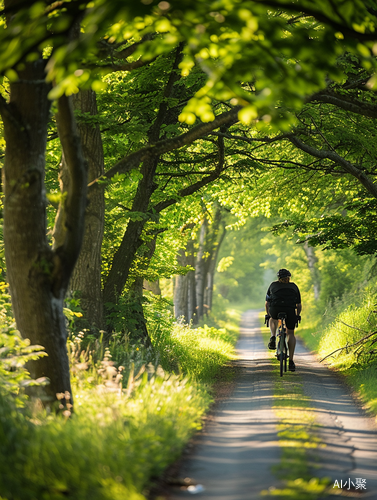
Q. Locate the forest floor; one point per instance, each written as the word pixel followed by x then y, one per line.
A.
pixel 241 453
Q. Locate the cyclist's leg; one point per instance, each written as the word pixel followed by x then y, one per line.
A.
pixel 273 323
pixel 273 326
pixel 291 343
pixel 290 322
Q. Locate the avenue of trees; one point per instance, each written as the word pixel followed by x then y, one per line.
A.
pixel 137 136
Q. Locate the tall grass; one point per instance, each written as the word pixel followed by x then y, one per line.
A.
pixel 135 409
pixel 110 448
pixel 343 325
pixel 198 352
pixel 347 328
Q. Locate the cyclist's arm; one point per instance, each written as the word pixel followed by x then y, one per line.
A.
pixel 267 307
pixel 298 309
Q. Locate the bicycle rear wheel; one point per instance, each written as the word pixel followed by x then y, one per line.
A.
pixel 281 354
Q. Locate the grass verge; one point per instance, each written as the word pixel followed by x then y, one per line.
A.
pixel 132 418
pixel 356 364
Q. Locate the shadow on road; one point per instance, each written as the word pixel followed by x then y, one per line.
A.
pixel 233 456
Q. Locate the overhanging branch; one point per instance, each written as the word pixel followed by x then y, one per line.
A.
pixel 345 102
pixel 134 159
pixel 349 167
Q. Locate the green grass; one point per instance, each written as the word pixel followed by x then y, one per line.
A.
pixel 199 352
pixel 134 413
pixel 347 327
pixel 109 449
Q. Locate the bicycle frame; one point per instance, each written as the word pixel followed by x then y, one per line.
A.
pixel 282 345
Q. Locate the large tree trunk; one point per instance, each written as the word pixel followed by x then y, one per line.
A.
pixel 38 276
pixel 87 274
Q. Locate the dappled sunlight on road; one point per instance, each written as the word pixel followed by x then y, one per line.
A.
pixel 233 456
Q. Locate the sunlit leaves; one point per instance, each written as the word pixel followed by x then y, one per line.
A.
pixel 233 43
pixel 247 115
pixel 200 107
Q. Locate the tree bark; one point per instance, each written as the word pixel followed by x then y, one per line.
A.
pixel 38 276
pixel 86 277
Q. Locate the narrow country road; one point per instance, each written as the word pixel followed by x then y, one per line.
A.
pixel 233 456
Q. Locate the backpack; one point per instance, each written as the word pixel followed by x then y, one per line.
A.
pixel 283 297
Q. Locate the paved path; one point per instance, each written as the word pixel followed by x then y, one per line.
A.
pixel 233 457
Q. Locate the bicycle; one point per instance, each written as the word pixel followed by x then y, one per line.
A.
pixel 282 350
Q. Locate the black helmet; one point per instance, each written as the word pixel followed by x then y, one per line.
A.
pixel 283 273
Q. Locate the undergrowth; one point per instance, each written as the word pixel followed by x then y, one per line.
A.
pixel 342 326
pixel 134 410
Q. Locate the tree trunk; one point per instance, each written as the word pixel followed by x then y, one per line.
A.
pixel 140 331
pixel 86 277
pixel 200 271
pixel 210 239
pixel 38 276
pixel 124 256
pixel 213 244
pixel 192 311
pixel 312 264
pixel 181 289
pixel 185 286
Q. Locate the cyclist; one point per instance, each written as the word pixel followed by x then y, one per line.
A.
pixel 284 296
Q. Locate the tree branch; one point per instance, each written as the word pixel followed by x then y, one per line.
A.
pixel 350 168
pixel 128 51
pixel 201 160
pixel 252 140
pixel 347 103
pixel 134 159
pixel 154 132
pixel 121 67
pixel 348 346
pixel 187 191
pixel 320 16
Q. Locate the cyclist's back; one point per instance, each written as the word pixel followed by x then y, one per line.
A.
pixel 283 296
